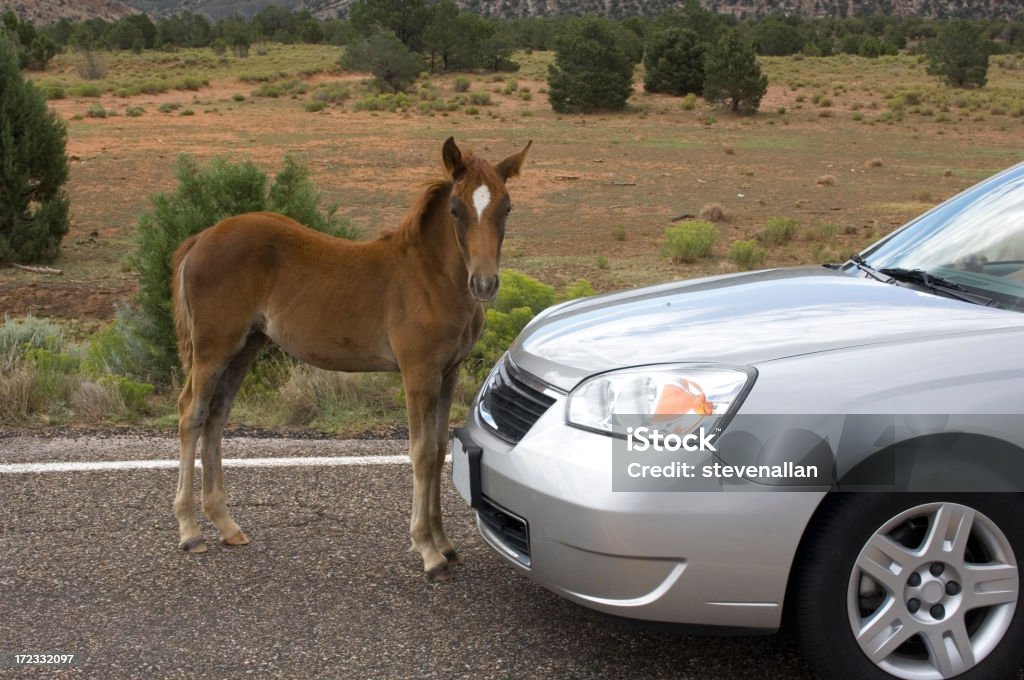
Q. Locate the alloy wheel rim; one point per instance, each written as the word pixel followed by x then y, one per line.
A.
pixel 933 591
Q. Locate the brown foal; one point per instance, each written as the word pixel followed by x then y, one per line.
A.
pixel 410 301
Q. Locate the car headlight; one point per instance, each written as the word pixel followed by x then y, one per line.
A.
pixel 677 398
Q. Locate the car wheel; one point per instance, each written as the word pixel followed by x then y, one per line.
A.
pixel 913 586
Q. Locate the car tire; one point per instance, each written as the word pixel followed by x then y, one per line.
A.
pixel 914 586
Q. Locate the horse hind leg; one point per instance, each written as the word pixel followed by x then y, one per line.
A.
pixel 193 409
pixel 214 497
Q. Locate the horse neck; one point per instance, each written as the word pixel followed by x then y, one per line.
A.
pixel 438 245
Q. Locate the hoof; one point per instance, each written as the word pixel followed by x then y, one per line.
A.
pixel 453 558
pixel 196 544
pixel 442 572
pixel 237 539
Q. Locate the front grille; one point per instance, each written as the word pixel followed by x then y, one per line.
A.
pixel 511 402
pixel 510 530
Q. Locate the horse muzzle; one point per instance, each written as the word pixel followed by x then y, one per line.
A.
pixel 484 288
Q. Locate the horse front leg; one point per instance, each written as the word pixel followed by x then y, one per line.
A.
pixel 422 394
pixel 444 408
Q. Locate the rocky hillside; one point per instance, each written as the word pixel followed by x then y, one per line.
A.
pixel 1012 9
pixel 41 12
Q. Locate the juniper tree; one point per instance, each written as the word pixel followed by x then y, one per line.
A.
pixel 959 54
pixel 674 62
pixel 732 75
pixel 33 167
pixel 592 71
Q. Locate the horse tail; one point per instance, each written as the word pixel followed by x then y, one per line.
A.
pixel 179 304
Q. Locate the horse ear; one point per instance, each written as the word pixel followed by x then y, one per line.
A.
pixel 452 159
pixel 510 167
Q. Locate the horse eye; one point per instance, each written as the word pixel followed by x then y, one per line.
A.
pixel 508 209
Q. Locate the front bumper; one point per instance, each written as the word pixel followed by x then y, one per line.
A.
pixel 703 558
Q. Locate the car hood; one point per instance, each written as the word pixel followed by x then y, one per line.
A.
pixel 738 319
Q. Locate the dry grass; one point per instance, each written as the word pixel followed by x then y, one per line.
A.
pixel 16 394
pixel 92 400
pixel 826 181
pixel 341 401
pixel 714 212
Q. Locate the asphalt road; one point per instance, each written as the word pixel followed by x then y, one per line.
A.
pixel 327 588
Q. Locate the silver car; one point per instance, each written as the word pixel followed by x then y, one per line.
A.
pixel 836 449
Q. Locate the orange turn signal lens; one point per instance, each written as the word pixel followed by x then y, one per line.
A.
pixel 682 397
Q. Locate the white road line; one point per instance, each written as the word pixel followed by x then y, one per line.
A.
pixel 102 465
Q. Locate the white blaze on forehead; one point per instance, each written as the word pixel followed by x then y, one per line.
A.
pixel 481 199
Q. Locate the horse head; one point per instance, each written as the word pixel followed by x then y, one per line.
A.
pixel 480 204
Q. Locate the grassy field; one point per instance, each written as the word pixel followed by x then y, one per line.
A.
pixel 847 148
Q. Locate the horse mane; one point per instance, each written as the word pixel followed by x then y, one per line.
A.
pixel 408 230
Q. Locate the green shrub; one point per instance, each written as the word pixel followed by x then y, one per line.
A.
pixel 33 167
pixel 331 93
pixel 238 97
pixel 36 373
pixel 49 361
pixel 690 241
pixel 519 290
pixel 823 232
pixel 385 102
pixel 19 336
pixel 314 107
pixel 133 394
pixel 116 349
pixel 461 84
pixel 96 111
pixel 135 111
pixel 519 299
pixel 190 83
pixel 500 330
pixel 206 195
pixel 689 102
pixel 778 230
pixel 746 254
pixel 480 98
pixel 168 107
pixel 578 289
pixel 287 88
pixel 821 254
pixel 619 233
pixel 86 91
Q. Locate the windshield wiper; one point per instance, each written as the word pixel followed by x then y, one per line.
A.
pixel 936 283
pixel 868 269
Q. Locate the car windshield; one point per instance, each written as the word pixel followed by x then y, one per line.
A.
pixel 974 240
